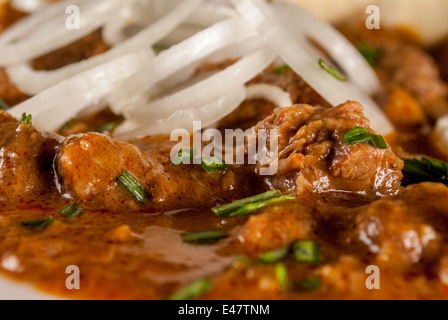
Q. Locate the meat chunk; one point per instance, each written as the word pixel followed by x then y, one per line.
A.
pixel 412 68
pixel 274 229
pixel 314 155
pixel 401 62
pixel 90 164
pixel 25 162
pixel 406 229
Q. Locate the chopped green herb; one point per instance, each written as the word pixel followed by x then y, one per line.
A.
pixel 281 273
pixel 68 125
pixel 251 208
pixel 274 255
pixel 184 156
pixel 226 209
pixel 159 48
pixel 282 69
pixel 131 184
pixel 204 236
pixel 426 169
pixel 308 284
pixel 38 224
pixel 14 40
pixel 370 53
pixel 72 210
pixel 26 119
pixel 107 127
pixel 331 70
pixel 213 164
pixel 3 104
pixel 360 135
pixel 192 291
pixel 306 251
pixel 210 165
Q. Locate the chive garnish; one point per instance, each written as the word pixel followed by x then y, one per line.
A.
pixel 184 156
pixel 26 119
pixel 281 273
pixel 359 135
pixel 3 104
pixel 274 255
pixel 226 209
pixel 370 53
pixel 38 224
pixel 251 208
pixel 203 236
pixel 131 184
pixel 210 165
pixel 192 291
pixel 308 284
pixel 306 251
pixel 159 48
pixel 72 210
pixel 282 69
pixel 331 70
pixel 68 125
pixel 426 169
pixel 107 127
pixel 213 164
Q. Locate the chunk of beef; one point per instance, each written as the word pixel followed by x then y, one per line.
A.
pixel 90 164
pixel 278 227
pixel 400 61
pixel 313 156
pixel 25 162
pixel 440 53
pixel 413 69
pixel 407 229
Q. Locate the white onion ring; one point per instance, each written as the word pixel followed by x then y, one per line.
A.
pixel 28 6
pixel 183 119
pixel 269 92
pixel 32 82
pixel 295 17
pixel 177 57
pixel 55 106
pixel 45 30
pixel 210 13
pixel 263 18
pixel 206 90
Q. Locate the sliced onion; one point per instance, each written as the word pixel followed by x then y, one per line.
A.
pixel 180 34
pixel 28 6
pixel 168 62
pixel 207 90
pixel 263 18
pixel 271 93
pixel 45 30
pixel 209 13
pixel 237 50
pixel 32 82
pixel 303 24
pixel 183 119
pixel 55 106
